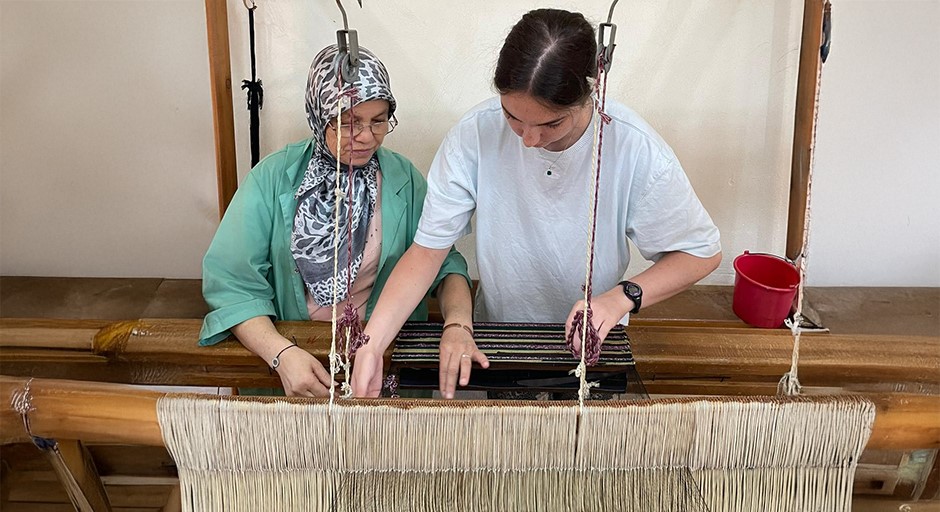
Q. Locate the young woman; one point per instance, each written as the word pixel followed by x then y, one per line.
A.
pixel 272 256
pixel 522 162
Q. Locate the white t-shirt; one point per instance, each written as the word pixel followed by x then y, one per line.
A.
pixel 533 210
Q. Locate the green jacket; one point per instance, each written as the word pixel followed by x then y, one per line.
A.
pixel 249 270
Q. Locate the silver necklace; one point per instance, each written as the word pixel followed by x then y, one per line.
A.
pixel 551 167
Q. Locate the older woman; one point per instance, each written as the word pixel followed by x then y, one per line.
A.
pixel 273 254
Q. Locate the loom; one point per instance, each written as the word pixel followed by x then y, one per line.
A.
pixel 161 352
pixel 731 453
pixel 711 453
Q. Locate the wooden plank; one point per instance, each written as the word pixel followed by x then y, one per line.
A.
pixel 223 118
pixel 49 333
pixel 23 457
pixel 115 460
pixel 116 480
pixel 164 351
pixel 825 360
pixel 174 501
pixel 804 126
pixel 78 475
pixel 152 497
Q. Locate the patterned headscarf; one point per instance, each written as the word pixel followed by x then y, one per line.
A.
pixel 313 234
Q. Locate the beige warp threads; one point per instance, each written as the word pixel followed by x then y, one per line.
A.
pixel 237 453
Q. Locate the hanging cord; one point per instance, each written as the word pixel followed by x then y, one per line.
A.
pixel 789 384
pixel 254 89
pixel 335 359
pixel 349 326
pixel 582 324
pixel 347 335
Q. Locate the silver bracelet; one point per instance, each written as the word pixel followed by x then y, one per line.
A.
pixel 277 359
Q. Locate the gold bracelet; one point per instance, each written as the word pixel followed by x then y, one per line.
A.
pixel 455 324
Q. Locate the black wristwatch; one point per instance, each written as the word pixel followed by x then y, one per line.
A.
pixel 634 293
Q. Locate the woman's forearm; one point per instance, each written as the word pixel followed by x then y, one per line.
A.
pixel 406 286
pixel 673 273
pixel 259 335
pixel 453 295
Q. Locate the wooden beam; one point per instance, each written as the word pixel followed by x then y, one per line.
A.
pixel 676 359
pixel 77 474
pixel 49 333
pixel 91 412
pixel 95 412
pixel 762 355
pixel 905 420
pixel 223 118
pixel 804 126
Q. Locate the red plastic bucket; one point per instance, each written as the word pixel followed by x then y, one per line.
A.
pixel 764 287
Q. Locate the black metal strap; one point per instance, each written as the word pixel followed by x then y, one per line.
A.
pixel 255 91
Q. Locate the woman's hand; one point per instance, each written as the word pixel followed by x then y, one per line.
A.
pixel 607 311
pixel 367 372
pixel 458 352
pixel 302 375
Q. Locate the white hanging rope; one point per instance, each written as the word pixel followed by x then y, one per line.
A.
pixel 790 383
pixel 581 371
pixel 335 359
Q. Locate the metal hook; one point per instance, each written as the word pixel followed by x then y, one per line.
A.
pixel 348 43
pixel 250 7
pixel 610 15
pixel 342 10
pixel 605 47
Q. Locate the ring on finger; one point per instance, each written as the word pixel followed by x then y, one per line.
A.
pixel 464 355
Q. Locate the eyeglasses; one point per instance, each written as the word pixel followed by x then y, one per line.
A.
pixel 378 128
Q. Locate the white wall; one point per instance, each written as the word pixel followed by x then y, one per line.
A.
pixel 105 139
pixel 105 117
pixel 716 78
pixel 876 191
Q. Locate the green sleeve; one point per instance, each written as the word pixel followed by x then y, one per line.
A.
pixel 455 262
pixel 236 267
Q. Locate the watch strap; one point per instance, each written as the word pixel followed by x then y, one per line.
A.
pixel 637 298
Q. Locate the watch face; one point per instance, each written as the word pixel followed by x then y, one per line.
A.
pixel 632 289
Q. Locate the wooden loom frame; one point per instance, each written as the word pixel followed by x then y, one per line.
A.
pixel 903 421
pixel 73 413
pixel 716 359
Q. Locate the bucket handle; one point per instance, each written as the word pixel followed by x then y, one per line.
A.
pixel 784 258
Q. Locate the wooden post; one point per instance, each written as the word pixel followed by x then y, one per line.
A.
pixel 223 119
pixel 804 126
pixel 77 473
